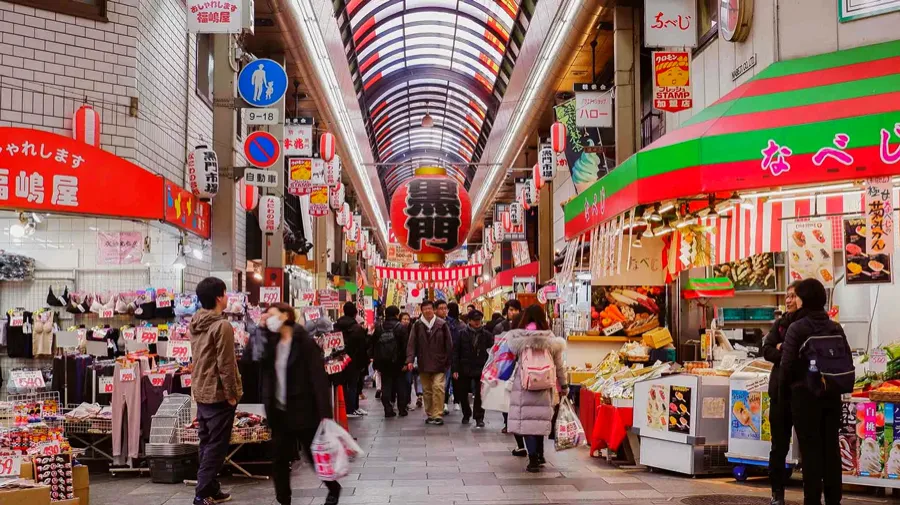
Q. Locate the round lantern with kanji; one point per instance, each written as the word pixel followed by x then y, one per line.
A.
pixel 431 214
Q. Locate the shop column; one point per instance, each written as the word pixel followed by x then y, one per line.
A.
pixel 626 51
pixel 224 134
pixel 273 244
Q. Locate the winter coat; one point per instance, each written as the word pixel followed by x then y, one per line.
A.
pixel 401 336
pixel 356 343
pixel 432 347
pixel 772 353
pixel 531 412
pixel 308 388
pixel 470 352
pixel 215 377
pixel 794 366
pixel 501 326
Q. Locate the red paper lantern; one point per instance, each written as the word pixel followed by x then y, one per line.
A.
pixel 431 214
pixel 86 125
pixel 326 146
pixel 536 173
pixel 558 137
pixel 248 195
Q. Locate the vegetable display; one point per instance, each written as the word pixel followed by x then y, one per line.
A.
pixel 637 308
pixel 754 273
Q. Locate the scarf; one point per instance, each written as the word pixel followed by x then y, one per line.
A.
pixel 428 324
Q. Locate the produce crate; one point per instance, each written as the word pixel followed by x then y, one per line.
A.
pixel 733 314
pixel 173 470
pixel 760 314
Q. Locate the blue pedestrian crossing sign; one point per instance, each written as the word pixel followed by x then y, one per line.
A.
pixel 262 82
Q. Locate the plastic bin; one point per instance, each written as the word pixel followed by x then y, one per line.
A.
pixel 733 314
pixel 760 313
pixel 173 469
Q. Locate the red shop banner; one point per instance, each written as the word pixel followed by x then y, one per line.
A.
pixel 51 173
pixel 184 210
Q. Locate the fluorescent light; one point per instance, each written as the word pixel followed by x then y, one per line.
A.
pixel 666 208
pixel 663 230
pixel 797 191
pixel 198 253
pixel 685 221
pixel 17 231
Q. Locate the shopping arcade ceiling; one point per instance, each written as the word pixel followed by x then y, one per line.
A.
pixel 450 59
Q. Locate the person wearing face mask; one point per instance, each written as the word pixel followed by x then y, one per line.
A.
pixel 296 394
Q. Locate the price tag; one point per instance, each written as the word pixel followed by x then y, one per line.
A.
pixel 129 334
pixel 49 448
pixel 613 328
pixel 105 384
pixel 163 302
pixel 17 320
pixel 180 350
pixel 186 302
pixel 334 367
pixel 157 379
pixel 149 335
pixel 27 379
pixel 332 341
pixel 10 466
pixel 126 375
pixel 311 314
pixel 186 380
pixel 308 296
pixel 269 294
pixel 878 361
pixel 106 313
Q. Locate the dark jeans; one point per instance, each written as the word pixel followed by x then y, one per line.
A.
pixel 215 421
pixel 394 387
pixel 352 396
pixel 782 425
pixel 285 440
pixel 535 445
pixel 463 388
pixel 818 421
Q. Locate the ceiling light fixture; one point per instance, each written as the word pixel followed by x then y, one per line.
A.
pixel 666 208
pixel 636 243
pixel 746 203
pixel 648 232
pixel 655 216
pixel 797 191
pixel 663 230
pixel 17 231
pixel 427 120
pixel 180 262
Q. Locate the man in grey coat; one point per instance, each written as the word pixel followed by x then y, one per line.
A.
pixel 431 343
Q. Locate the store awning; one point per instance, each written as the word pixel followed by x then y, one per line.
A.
pixel 502 280
pixel 818 119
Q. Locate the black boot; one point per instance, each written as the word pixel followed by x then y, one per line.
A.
pixel 534 466
pixel 778 497
pixel 334 493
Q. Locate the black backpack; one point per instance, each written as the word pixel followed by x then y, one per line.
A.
pixel 386 347
pixel 835 371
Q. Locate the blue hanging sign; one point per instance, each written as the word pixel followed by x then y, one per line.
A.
pixel 262 82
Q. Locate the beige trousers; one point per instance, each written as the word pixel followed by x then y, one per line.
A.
pixel 433 385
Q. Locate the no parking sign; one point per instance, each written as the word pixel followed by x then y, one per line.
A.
pixel 262 149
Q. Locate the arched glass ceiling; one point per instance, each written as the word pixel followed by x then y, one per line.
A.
pixel 450 59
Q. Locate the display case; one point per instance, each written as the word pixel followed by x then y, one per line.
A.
pixel 681 420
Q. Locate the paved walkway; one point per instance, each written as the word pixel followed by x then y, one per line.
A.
pixel 409 463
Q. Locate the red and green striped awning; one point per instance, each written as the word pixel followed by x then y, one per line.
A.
pixel 713 287
pixel 779 129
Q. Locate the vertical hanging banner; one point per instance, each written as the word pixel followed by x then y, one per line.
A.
pixel 298 137
pixel 672 81
pixel 269 213
pixel 670 23
pixel 318 201
pixel 879 216
pixel 593 108
pixel 300 170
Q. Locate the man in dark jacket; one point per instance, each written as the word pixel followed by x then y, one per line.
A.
pixel 449 312
pixel 495 319
pixel 469 356
pixel 355 342
pixel 431 344
pixel 780 418
pixel 389 353
pixel 511 309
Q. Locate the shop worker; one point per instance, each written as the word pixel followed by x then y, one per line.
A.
pixel 430 342
pixel 780 410
pixel 511 310
pixel 817 366
pixel 470 353
pixel 391 339
pixel 296 392
pixel 216 386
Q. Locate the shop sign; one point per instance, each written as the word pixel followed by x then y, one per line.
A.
pixel 399 254
pixel 262 178
pixel 593 109
pixel 105 384
pixel 214 16
pixel 810 251
pixel 27 379
pixel 179 350
pixel 672 80
pixel 298 139
pixel 879 216
pixel 269 213
pixel 859 266
pixel 301 173
pixel 547 163
pixel 849 10
pixel 744 67
pixel 318 201
pixel 524 285
pixel 508 232
pixel 203 172
pixel 670 23
pixel 333 171
pixel 119 248
pixel 186 211
pixel 735 17
pixel 269 294
pixel 336 196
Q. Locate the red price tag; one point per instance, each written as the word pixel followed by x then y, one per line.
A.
pixel 149 335
pixel 163 302
pixel 105 384
pixel 10 465
pixel 30 379
pixel 180 350
pixel 157 379
pixel 106 313
pixel 126 375
pixel 331 341
pixel 269 294
pixel 49 449
pixel 186 380
pixel 129 334
pixel 17 320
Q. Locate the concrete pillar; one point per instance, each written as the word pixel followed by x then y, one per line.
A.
pixel 273 244
pixel 625 57
pixel 320 251
pixel 545 233
pixel 224 126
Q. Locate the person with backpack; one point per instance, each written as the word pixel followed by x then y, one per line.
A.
pixel 817 368
pixel 470 353
pixel 538 381
pixel 389 355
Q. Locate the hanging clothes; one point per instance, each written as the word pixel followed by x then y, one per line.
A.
pixel 126 406
pixel 18 337
pixel 151 398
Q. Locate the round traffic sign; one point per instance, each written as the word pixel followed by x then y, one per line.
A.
pixel 262 82
pixel 262 149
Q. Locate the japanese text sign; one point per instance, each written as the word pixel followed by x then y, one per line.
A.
pixel 214 16
pixel 119 248
pixel 297 140
pixel 672 80
pixel 878 361
pixel 300 170
pixel 269 294
pixel 149 334
pixel 263 178
pixel 27 379
pixel 593 109
pixel 10 466
pixel 126 375
pixel 186 211
pixel 879 216
pixel 105 384
pixel 318 201
pixel 670 23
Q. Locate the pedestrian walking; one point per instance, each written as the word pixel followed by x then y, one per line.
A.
pixel 430 345
pixel 511 309
pixel 216 387
pixel 531 405
pixel 355 343
pixel 470 354
pixel 391 340
pixel 449 312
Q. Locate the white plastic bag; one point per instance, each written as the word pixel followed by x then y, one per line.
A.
pixel 332 450
pixel 495 395
pixel 569 432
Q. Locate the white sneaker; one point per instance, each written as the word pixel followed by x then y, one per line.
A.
pixel 352 415
pixel 361 412
pixel 446 409
pixel 456 407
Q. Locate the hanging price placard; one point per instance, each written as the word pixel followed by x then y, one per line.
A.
pixel 17 319
pixel 27 379
pixel 186 380
pixel 332 341
pixel 105 384
pixel 157 379
pixel 129 334
pixel 180 350
pixel 106 313
pixel 269 294
pixel 126 375
pixel 10 466
pixel 149 335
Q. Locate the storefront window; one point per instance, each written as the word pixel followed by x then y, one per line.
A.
pixel 708 27
pixel 92 9
pixel 205 67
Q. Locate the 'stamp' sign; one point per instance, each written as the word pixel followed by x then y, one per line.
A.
pixel 27 379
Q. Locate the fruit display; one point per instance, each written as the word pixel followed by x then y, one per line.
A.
pixel 754 273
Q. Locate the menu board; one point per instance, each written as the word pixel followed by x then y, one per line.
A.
pixel 859 267
pixel 810 251
pixel 658 408
pixel 745 415
pixel 680 409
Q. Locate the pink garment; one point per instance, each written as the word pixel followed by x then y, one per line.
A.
pixel 126 405
pixel 531 326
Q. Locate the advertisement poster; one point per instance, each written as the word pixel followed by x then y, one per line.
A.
pixel 745 415
pixel 892 440
pixel 300 170
pixel 879 216
pixel 585 153
pixel 847 439
pixel 318 201
pixel 809 251
pixel 756 273
pixel 870 433
pixel 860 267
pixel 119 248
pixel 672 81
pixel 680 409
pixel 638 308
pixel 658 408
pixel 765 432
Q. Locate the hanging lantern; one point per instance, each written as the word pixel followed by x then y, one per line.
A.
pixel 248 195
pixel 558 137
pixel 506 219
pixel 516 213
pixel 203 172
pixel 336 196
pixel 326 146
pixel 431 214
pixel 333 171
pixel 269 213
pixel 532 193
pixel 523 189
pixel 86 125
pixel 498 231
pixel 342 215
pixel 536 173
pixel 548 166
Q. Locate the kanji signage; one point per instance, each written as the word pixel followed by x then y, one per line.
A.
pixel 318 201
pixel 593 109
pixel 879 216
pixel 670 23
pixel 186 211
pixel 672 81
pixel 263 178
pixel 399 254
pixel 298 139
pixel 203 172
pixel 51 173
pixel 301 174
pixel 849 10
pixel 509 232
pixel 214 16
pixel 269 213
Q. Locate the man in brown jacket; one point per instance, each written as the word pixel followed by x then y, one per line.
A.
pixel 215 386
pixel 430 342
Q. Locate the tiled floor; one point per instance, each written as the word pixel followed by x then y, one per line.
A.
pixel 408 463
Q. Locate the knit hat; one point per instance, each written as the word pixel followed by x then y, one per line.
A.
pixel 319 326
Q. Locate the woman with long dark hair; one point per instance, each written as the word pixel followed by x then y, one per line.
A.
pixel 296 393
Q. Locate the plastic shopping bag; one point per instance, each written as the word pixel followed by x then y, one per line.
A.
pixel 495 395
pixel 569 432
pixel 500 363
pixel 332 450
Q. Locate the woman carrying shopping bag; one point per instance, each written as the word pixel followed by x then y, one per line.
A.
pixel 296 393
pixel 537 383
